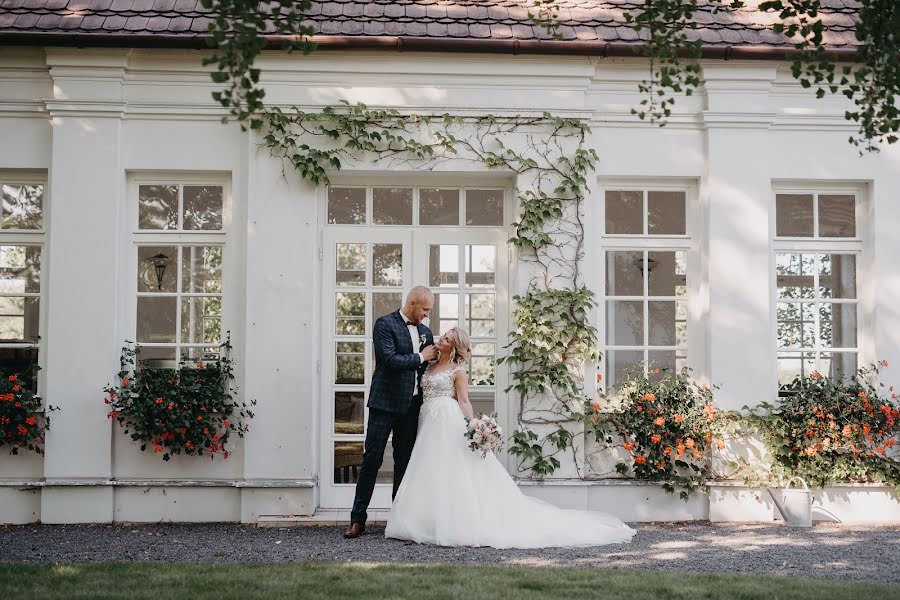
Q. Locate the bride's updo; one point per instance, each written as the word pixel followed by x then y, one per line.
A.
pixel 459 340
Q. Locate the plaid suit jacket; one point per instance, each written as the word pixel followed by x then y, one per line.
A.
pixel 397 365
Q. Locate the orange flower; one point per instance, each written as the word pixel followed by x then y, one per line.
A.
pixel 862 394
pixel 16 388
pixel 33 421
pixel 199 417
pixel 697 455
pixel 659 421
pixel 595 406
pixel 639 409
pixel 13 377
pixel 655 438
pixel 650 397
pixel 847 431
pixel 171 405
pixel 888 443
pixel 159 400
pixel 225 423
pixel 720 444
pixel 883 363
pixel 678 418
pixel 599 377
pixel 628 445
pixel 640 459
pixel 679 450
pixel 710 412
pixel 811 451
pixel 661 465
pixel 689 442
pixel 867 429
pixel 809 433
pixel 125 382
pixel 667 451
pixel 112 414
pixel 815 375
pixel 215 437
pixel 200 365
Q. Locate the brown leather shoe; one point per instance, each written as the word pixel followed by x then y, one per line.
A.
pixel 355 530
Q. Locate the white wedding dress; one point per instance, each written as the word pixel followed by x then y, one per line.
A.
pixel 451 496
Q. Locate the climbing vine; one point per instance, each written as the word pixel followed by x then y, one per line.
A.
pixel 552 338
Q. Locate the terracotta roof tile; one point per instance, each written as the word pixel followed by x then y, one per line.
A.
pixel 580 20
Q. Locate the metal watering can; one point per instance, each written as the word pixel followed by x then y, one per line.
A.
pixel 794 504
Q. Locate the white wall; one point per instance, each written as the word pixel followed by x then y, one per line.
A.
pixel 89 117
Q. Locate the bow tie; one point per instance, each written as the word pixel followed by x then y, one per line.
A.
pixel 410 324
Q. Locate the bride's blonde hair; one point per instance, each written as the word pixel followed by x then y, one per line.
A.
pixel 459 351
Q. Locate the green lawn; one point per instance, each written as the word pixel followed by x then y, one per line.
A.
pixel 376 581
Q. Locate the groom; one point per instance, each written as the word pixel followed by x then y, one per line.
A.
pixel 403 348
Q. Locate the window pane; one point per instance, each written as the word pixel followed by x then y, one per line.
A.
pixel 387 265
pixel 445 314
pixel 664 323
pixel 348 459
pixel 480 310
pixel 349 369
pixel 158 207
pixel 156 319
pixel 625 323
pixel 349 412
pixel 484 207
pixel 351 264
pixel 838 364
pixel 155 357
pixel 20 361
pixel 392 206
pixel 794 215
pixel 620 364
pixel 837 276
pixel 157 269
pixel 482 364
pixel 794 364
pixel 667 275
pixel 22 206
pixel 443 265
pixel 796 325
pixel 18 319
pixel 625 273
pixel 202 207
pixel 350 310
pixel 384 303
pixel 837 216
pixel 837 325
pixel 794 275
pixel 625 212
pixel 659 362
pixel 20 269
pixel 201 269
pixel 666 213
pixel 480 265
pixel 438 206
pixel 201 320
pixel 346 206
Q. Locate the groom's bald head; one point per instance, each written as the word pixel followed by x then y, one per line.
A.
pixel 419 303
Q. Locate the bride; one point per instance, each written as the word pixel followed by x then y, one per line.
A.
pixel 451 496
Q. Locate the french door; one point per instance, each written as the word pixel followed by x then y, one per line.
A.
pixel 367 271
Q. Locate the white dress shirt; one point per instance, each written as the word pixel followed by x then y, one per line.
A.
pixel 414 337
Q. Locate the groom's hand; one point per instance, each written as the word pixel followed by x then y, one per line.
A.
pixel 429 353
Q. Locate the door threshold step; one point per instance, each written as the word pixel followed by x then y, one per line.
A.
pixel 323 517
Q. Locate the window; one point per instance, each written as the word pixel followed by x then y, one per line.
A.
pixel 22 241
pixel 646 250
pixel 405 206
pixel 179 265
pixel 817 253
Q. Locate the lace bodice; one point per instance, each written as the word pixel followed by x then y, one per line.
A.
pixel 440 384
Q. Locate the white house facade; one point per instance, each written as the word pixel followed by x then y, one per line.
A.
pixel 114 153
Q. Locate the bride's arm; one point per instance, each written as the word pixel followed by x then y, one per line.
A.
pixel 461 383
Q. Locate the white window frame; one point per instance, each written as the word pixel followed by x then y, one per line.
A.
pixel 690 242
pixel 146 237
pixel 856 245
pixel 32 237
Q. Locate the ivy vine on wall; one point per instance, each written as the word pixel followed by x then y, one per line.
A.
pixel 552 338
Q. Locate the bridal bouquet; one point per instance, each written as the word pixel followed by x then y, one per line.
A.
pixel 485 434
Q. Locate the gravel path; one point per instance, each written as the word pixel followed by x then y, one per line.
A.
pixel 825 551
